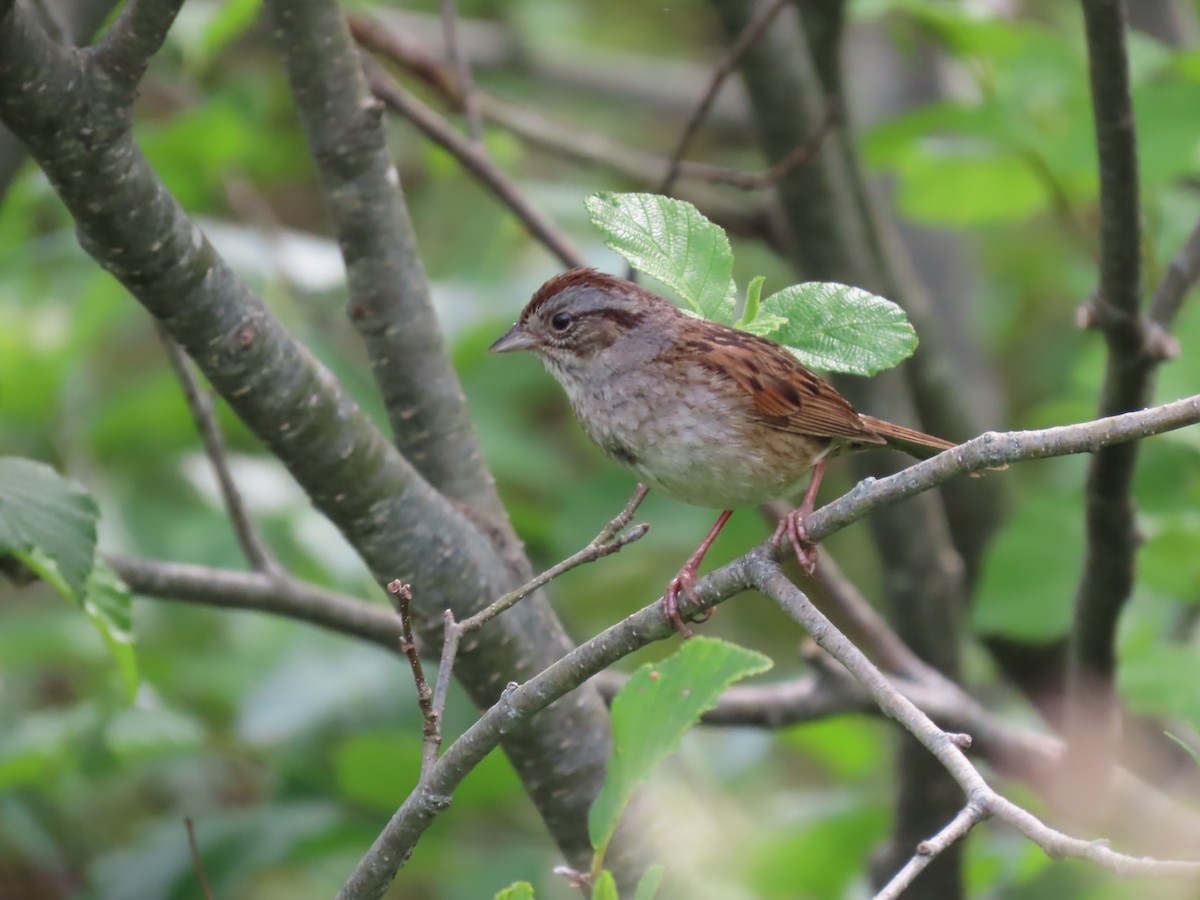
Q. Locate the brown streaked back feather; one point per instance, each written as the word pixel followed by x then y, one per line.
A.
pixel 786 395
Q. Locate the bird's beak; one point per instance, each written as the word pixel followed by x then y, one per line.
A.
pixel 516 338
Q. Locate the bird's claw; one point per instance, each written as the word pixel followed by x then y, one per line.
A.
pixel 793 528
pixel 682 584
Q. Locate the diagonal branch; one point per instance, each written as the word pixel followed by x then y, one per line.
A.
pixel 475 161
pixel 398 523
pixel 725 67
pixel 1182 273
pixel 201 407
pixel 948 749
pixel 398 839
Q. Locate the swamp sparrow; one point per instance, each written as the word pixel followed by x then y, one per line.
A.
pixel 703 412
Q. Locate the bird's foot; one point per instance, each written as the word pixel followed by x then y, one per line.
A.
pixel 682 584
pixel 792 528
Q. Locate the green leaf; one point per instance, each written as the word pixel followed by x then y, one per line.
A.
pixel 605 887
pixel 649 883
pixel 670 240
pixel 754 319
pixel 520 890
pixel 109 605
pixel 840 328
pixel 753 296
pixel 654 709
pixel 49 522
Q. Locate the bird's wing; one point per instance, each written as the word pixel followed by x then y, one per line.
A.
pixel 784 393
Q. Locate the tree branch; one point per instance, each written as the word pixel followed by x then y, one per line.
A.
pixel 946 749
pixel 725 67
pixel 125 50
pixel 389 303
pixel 398 839
pixel 201 408
pixel 475 161
pixel 128 221
pixel 1181 276
pixel 257 592
pixel 1111 536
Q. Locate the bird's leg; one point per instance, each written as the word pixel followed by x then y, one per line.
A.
pixel 683 582
pixel 792 525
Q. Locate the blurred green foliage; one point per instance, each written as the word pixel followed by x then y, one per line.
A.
pixel 288 747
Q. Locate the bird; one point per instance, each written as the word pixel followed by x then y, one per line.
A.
pixel 702 412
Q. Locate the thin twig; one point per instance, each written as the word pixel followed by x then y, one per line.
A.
pixel 474 160
pixel 453 634
pixel 609 540
pixel 125 50
pixel 612 537
pixel 395 843
pixel 854 608
pixel 1181 275
pixel 568 140
pixel 197 863
pixel 927 851
pixel 759 181
pixel 431 729
pixel 721 71
pixel 201 406
pixel 947 748
pixel 462 69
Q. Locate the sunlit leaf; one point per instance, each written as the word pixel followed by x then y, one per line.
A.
pixel 605 887
pixel 109 605
pixel 840 328
pixel 670 240
pixel 521 890
pixel 653 711
pixel 45 515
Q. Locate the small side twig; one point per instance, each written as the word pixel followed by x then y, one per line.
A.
pixel 474 160
pixel 431 728
pixel 948 748
pixel 855 609
pixel 1180 277
pixel 566 140
pixel 929 850
pixel 612 537
pixel 768 178
pixel 721 71
pixel 201 406
pixel 197 863
pixel 609 540
pixel 462 69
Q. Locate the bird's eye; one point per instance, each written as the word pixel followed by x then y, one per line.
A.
pixel 561 321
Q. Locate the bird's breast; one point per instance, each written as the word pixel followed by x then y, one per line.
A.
pixel 689 441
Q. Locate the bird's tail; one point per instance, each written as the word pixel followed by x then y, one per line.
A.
pixel 914 443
